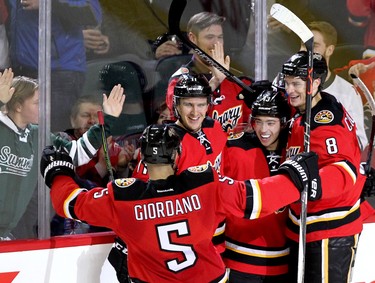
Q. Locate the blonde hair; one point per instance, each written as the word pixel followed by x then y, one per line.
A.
pixel 327 30
pixel 24 88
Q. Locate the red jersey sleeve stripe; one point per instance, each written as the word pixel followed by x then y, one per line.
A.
pixel 348 168
pixel 69 200
pixel 253 203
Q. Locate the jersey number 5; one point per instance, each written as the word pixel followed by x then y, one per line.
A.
pixel 164 236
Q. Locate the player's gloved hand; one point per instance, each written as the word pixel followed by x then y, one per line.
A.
pixel 369 186
pixel 258 87
pixel 303 171
pixel 55 162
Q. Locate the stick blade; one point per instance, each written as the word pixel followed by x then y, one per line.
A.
pixel 290 20
pixel 370 99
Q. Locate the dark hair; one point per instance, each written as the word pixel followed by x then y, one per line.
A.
pixel 93 99
pixel 202 20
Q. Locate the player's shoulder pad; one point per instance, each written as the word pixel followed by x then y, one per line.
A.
pixel 180 131
pixel 128 188
pixel 208 122
pixel 196 176
pixel 328 111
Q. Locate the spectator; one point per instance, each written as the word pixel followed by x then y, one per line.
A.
pixel 83 116
pixel 349 37
pixel 4 55
pixel 205 30
pixel 321 10
pixel 168 45
pixel 187 206
pixel 325 40
pixel 262 255
pixel 331 241
pixel 68 59
pixel 362 15
pixel 95 172
pixel 19 134
pixel 365 70
pixel 95 42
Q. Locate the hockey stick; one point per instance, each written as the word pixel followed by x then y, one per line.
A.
pixel 174 17
pixel 358 82
pixel 290 20
pixel 105 145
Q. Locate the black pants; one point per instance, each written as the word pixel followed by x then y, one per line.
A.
pixel 118 258
pixel 330 259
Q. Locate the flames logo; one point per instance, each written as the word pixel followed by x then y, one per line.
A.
pixel 324 117
pixel 125 182
pixel 197 169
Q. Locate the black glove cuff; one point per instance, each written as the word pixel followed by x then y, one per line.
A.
pixel 58 167
pixel 296 172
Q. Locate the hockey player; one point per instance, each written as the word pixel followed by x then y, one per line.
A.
pixel 19 137
pixel 202 137
pixel 168 221
pixel 257 251
pixel 206 31
pixel 325 40
pixel 333 222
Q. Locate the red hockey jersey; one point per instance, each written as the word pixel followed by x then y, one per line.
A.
pixel 257 246
pixel 204 147
pixel 168 224
pixel 333 138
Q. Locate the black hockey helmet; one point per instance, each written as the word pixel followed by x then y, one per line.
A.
pixel 159 144
pixel 271 103
pixel 191 85
pixel 297 66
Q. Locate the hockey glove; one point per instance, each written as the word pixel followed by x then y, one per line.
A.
pixel 55 162
pixel 303 171
pixel 369 186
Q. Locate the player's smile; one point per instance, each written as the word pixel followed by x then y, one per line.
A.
pixel 192 112
pixel 267 130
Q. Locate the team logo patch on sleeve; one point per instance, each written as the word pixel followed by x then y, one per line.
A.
pixel 197 169
pixel 324 117
pixel 125 182
pixel 235 136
